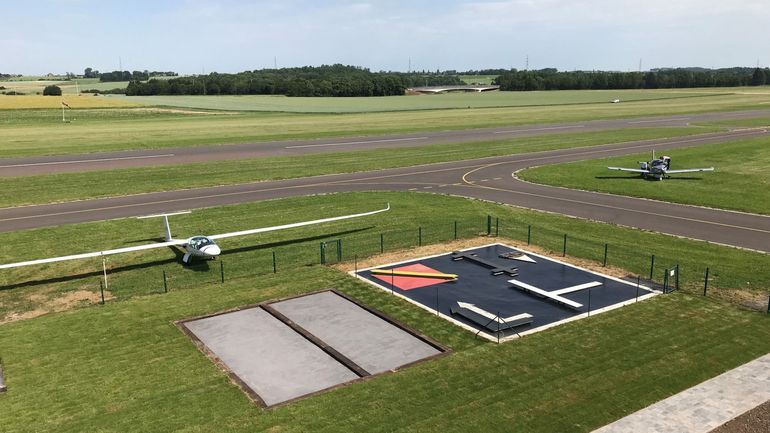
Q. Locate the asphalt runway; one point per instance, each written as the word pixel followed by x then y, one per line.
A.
pixel 488 179
pixel 184 155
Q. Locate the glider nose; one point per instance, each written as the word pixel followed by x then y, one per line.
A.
pixel 211 250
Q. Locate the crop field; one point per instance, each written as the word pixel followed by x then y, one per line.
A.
pixel 10 103
pixel 68 87
pixel 41 132
pixel 39 189
pixel 407 103
pixel 740 182
pixel 125 367
pixel 478 79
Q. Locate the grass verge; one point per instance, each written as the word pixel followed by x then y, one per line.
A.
pixel 741 180
pixel 125 367
pixel 41 132
pixel 77 186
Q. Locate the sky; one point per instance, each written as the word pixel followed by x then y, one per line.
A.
pixel 196 36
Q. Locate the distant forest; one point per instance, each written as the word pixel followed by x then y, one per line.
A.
pixel 327 80
pixel 551 79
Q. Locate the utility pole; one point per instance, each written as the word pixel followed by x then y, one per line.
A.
pixel 526 66
pixel 275 62
pixel 640 65
pixel 120 64
pixel 409 69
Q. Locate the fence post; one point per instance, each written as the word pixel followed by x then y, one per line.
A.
pixel 665 281
pixel 706 282
pixel 564 249
pixel 652 265
pixel 497 226
pixel 604 264
pixel 222 270
pixel 275 268
pixel 339 250
pixel 382 243
pixel 638 279
pixel 165 284
pixel 677 277
pixel 419 236
pixel 768 305
pixel 355 264
pixel 455 229
pixel 323 253
pixel 529 234
pixel 489 225
pixel 101 289
pixel 589 302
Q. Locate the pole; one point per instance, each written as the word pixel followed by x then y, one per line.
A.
pixel 589 302
pixel 604 264
pixel 355 264
pixel 419 236
pixel 497 226
pixel 392 284
pixel 165 284
pixel 706 282
pixel 275 267
pixel 455 229
pixel 564 249
pixel 665 281
pixel 382 243
pixel 677 276
pixel 489 225
pixel 638 278
pixel 768 305
pixel 101 289
pixel 222 270
pixel 104 270
pixel 339 250
pixel 323 253
pixel 529 234
pixel 652 265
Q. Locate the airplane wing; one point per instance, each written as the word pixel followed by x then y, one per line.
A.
pixel 183 241
pixel 93 254
pixel 633 170
pixel 690 170
pixel 300 224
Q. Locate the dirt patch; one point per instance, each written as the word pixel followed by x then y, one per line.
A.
pixel 66 301
pixel 756 420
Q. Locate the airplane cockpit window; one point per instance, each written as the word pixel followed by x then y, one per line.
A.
pixel 199 242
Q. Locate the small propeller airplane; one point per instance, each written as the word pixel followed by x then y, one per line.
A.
pixel 658 168
pixel 196 246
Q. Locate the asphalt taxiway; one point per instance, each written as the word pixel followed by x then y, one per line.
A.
pixel 487 178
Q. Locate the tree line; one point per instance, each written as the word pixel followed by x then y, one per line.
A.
pixel 125 75
pixel 551 79
pixel 326 80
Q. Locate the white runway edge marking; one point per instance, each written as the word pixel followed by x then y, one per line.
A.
pixel 357 142
pixel 676 119
pixel 551 128
pixel 79 161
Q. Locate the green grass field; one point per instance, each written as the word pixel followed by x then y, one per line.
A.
pixel 125 367
pixel 478 79
pixel 408 103
pixel 77 186
pixel 740 182
pixel 41 132
pixel 734 272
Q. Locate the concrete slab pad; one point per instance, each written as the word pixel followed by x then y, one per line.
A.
pixel 270 358
pixel 366 339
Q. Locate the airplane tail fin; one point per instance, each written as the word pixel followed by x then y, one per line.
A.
pixel 167 234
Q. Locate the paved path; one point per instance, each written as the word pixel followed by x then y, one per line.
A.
pixel 703 407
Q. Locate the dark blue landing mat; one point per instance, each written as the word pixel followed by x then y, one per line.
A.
pixel 476 285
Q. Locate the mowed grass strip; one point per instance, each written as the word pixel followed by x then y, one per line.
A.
pixel 41 132
pixel 741 180
pixel 76 186
pixel 125 367
pixel 35 290
pixel 415 102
